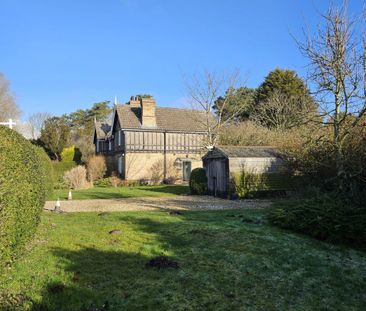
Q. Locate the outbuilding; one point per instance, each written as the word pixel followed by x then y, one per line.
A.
pixel 222 161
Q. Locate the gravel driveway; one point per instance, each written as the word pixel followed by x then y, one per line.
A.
pixel 182 202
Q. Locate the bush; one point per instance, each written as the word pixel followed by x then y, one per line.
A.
pixel 247 183
pixel 76 178
pixel 157 172
pixel 47 170
pixel 198 181
pixel 22 193
pixel 113 181
pixel 96 168
pixel 59 170
pixel 104 182
pixel 170 180
pixel 325 216
pixel 71 154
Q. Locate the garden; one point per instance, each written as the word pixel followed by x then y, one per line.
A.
pixel 212 260
pixel 304 248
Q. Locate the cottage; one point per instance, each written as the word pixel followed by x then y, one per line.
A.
pixel 223 161
pixel 148 142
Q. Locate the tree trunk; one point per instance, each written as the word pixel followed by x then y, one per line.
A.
pixel 337 138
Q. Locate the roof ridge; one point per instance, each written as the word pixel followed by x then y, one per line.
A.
pixel 160 107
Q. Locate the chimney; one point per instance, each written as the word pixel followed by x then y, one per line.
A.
pixel 148 112
pixel 135 102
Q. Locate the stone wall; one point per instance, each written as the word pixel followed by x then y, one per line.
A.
pixel 148 166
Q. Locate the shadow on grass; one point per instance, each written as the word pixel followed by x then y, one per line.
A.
pixel 119 280
pixel 224 264
pixel 98 280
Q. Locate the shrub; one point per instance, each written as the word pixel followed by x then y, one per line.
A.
pixel 198 181
pixel 170 180
pixel 71 154
pixel 76 178
pixel 22 193
pixel 59 170
pixel 116 181
pixel 96 168
pixel 47 170
pixel 157 172
pixel 246 183
pixel 143 182
pixel 104 182
pixel 325 216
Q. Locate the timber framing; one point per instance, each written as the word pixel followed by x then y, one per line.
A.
pixel 168 134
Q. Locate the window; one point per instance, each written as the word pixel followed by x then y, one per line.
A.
pixel 120 165
pixel 97 144
pixel 110 145
pixel 119 138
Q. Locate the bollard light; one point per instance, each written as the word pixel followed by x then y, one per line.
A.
pixel 69 197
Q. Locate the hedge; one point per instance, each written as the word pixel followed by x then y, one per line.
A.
pixel 22 193
pixel 198 181
pixel 253 185
pixel 325 216
pixel 47 171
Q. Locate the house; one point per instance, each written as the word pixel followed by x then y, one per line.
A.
pixel 148 142
pixel 222 162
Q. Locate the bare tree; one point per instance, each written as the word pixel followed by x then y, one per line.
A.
pixel 36 122
pixel 337 63
pixel 8 107
pixel 202 93
pixel 283 112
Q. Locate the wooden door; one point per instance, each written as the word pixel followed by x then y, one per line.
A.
pixel 217 175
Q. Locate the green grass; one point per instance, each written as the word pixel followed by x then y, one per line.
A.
pixel 121 192
pixel 225 264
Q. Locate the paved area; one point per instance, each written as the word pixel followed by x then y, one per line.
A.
pixel 152 204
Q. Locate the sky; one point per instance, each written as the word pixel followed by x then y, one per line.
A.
pixel 64 55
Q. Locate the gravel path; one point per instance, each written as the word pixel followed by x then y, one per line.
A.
pixel 152 204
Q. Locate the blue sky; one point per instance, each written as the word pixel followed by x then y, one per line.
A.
pixel 62 55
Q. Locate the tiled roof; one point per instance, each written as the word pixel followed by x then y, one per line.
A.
pixel 102 129
pixel 172 119
pixel 242 152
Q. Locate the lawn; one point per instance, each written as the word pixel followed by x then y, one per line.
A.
pixel 122 192
pixel 228 260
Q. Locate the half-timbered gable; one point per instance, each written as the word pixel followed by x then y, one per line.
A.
pixel 144 134
pixel 101 136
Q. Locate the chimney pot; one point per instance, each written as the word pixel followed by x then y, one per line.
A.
pixel 135 102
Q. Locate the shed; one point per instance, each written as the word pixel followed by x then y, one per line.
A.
pixel 221 161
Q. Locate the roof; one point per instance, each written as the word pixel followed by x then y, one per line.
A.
pixel 171 119
pixel 102 129
pixel 242 152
